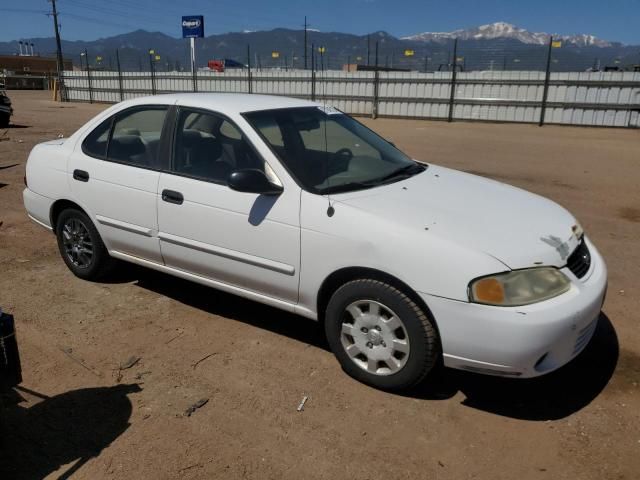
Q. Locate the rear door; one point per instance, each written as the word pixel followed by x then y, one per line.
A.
pixel 114 175
pixel 244 240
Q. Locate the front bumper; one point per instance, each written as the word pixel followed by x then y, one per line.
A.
pixel 525 341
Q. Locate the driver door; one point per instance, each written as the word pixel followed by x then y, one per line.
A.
pixel 244 240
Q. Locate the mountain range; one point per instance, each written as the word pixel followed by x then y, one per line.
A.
pixel 507 30
pixel 495 46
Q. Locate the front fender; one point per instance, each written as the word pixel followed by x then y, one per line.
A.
pixel 356 238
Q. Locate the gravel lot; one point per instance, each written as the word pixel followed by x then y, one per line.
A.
pixel 82 411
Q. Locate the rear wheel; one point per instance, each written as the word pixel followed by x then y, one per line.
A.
pixel 380 336
pixel 4 120
pixel 80 245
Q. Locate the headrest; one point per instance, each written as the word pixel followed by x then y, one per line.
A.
pixel 190 138
pixel 129 131
pixel 126 146
pixel 205 147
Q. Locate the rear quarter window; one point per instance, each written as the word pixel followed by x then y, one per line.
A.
pixel 95 144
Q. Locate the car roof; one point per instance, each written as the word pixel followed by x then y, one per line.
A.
pixel 226 103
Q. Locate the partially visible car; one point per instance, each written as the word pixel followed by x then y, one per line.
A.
pixel 10 370
pixel 5 108
pixel 299 206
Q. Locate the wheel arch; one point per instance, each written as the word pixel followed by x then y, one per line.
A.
pixel 58 207
pixel 338 278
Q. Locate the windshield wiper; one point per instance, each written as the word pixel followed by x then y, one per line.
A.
pixel 401 172
pixel 406 171
pixel 345 187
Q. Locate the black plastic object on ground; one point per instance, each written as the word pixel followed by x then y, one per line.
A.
pixel 10 370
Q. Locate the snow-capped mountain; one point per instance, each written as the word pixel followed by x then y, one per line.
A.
pixel 507 30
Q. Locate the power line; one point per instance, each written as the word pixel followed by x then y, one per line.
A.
pixel 23 10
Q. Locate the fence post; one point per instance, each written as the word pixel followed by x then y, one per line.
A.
pixel 86 57
pixel 249 68
pixel 119 75
pixel 153 74
pixel 454 74
pixel 545 90
pixel 376 83
pixel 195 79
pixel 313 73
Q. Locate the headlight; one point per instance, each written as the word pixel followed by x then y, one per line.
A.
pixel 519 287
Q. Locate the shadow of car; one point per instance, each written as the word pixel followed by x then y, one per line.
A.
pixel 549 397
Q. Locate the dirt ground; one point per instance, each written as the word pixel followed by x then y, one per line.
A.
pixel 82 412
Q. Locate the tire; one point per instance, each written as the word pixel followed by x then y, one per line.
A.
pixel 4 120
pixel 85 238
pixel 380 336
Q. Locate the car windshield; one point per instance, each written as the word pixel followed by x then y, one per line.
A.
pixel 328 151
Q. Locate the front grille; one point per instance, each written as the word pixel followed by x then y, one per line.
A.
pixel 580 260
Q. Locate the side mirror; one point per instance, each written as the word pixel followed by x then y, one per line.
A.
pixel 251 180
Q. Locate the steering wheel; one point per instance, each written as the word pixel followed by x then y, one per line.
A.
pixel 344 154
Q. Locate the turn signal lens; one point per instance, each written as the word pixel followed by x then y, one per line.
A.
pixel 519 287
pixel 488 290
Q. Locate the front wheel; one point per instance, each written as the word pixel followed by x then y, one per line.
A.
pixel 380 336
pixel 80 245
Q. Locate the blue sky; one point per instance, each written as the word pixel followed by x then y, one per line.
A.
pixel 617 20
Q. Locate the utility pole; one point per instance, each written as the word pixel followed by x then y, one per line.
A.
pixel 368 49
pixel 60 64
pixel 305 41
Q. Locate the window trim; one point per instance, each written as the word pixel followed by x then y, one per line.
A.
pixel 178 110
pixel 168 119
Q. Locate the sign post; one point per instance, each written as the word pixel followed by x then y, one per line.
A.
pixel 192 28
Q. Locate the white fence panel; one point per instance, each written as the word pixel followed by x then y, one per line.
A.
pixel 577 98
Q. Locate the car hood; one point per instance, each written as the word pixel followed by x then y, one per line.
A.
pixel 518 228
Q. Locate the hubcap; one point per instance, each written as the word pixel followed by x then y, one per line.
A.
pixel 374 337
pixel 77 243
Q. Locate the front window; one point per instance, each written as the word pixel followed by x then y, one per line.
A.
pixel 209 147
pixel 328 151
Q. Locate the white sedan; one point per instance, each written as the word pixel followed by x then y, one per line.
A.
pixel 299 206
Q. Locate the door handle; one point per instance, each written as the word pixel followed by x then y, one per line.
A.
pixel 172 196
pixel 81 175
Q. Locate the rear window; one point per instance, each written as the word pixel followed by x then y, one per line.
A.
pixel 132 136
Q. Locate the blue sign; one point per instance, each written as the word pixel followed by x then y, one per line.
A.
pixel 193 26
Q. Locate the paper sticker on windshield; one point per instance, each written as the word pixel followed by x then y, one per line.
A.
pixel 329 110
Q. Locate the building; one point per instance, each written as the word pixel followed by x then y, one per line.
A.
pixel 31 65
pixel 29 72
